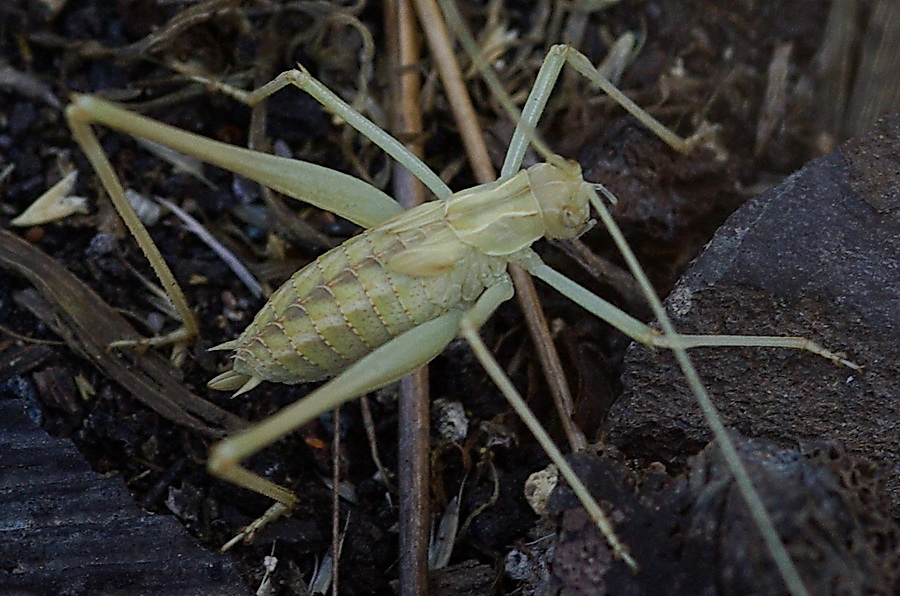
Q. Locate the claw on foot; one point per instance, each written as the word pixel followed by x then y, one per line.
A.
pixel 247 534
pixel 178 339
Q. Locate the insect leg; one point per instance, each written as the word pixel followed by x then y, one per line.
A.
pixel 80 125
pixel 673 340
pixel 345 195
pixel 543 86
pixel 540 93
pixel 468 330
pixel 302 79
pixel 381 367
pixel 349 197
pixel 580 62
pixel 764 523
pixel 643 333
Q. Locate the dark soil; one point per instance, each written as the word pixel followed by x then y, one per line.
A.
pixel 699 62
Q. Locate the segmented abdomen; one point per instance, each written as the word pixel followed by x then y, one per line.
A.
pixel 350 301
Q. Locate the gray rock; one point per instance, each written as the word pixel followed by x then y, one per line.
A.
pixel 818 257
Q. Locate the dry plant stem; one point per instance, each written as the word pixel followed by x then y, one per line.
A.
pixel 88 325
pixel 413 462
pixel 467 121
pixel 335 500
pixel 877 87
pixel 257 140
pixel 834 66
pixel 369 425
pixel 413 476
pixel 605 271
pixel 161 36
pixel 530 303
pixel 528 119
pixel 441 46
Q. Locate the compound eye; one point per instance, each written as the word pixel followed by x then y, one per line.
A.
pixel 570 219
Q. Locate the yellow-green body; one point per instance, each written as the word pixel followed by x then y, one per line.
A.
pixel 390 300
pixel 413 268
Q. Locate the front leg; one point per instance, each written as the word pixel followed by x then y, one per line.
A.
pixel 647 335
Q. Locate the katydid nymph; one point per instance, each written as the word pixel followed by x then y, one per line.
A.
pixel 391 299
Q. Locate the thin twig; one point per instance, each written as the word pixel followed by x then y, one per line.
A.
pixel 336 499
pixel 605 271
pixel 369 425
pixel 413 464
pixel 226 255
pixel 473 139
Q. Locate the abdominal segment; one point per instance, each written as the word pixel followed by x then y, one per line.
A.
pixel 349 302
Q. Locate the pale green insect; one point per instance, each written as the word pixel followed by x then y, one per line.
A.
pixel 420 265
pixel 391 299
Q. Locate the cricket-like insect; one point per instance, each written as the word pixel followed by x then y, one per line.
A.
pixel 392 298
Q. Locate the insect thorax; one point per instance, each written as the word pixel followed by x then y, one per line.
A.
pixel 504 217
